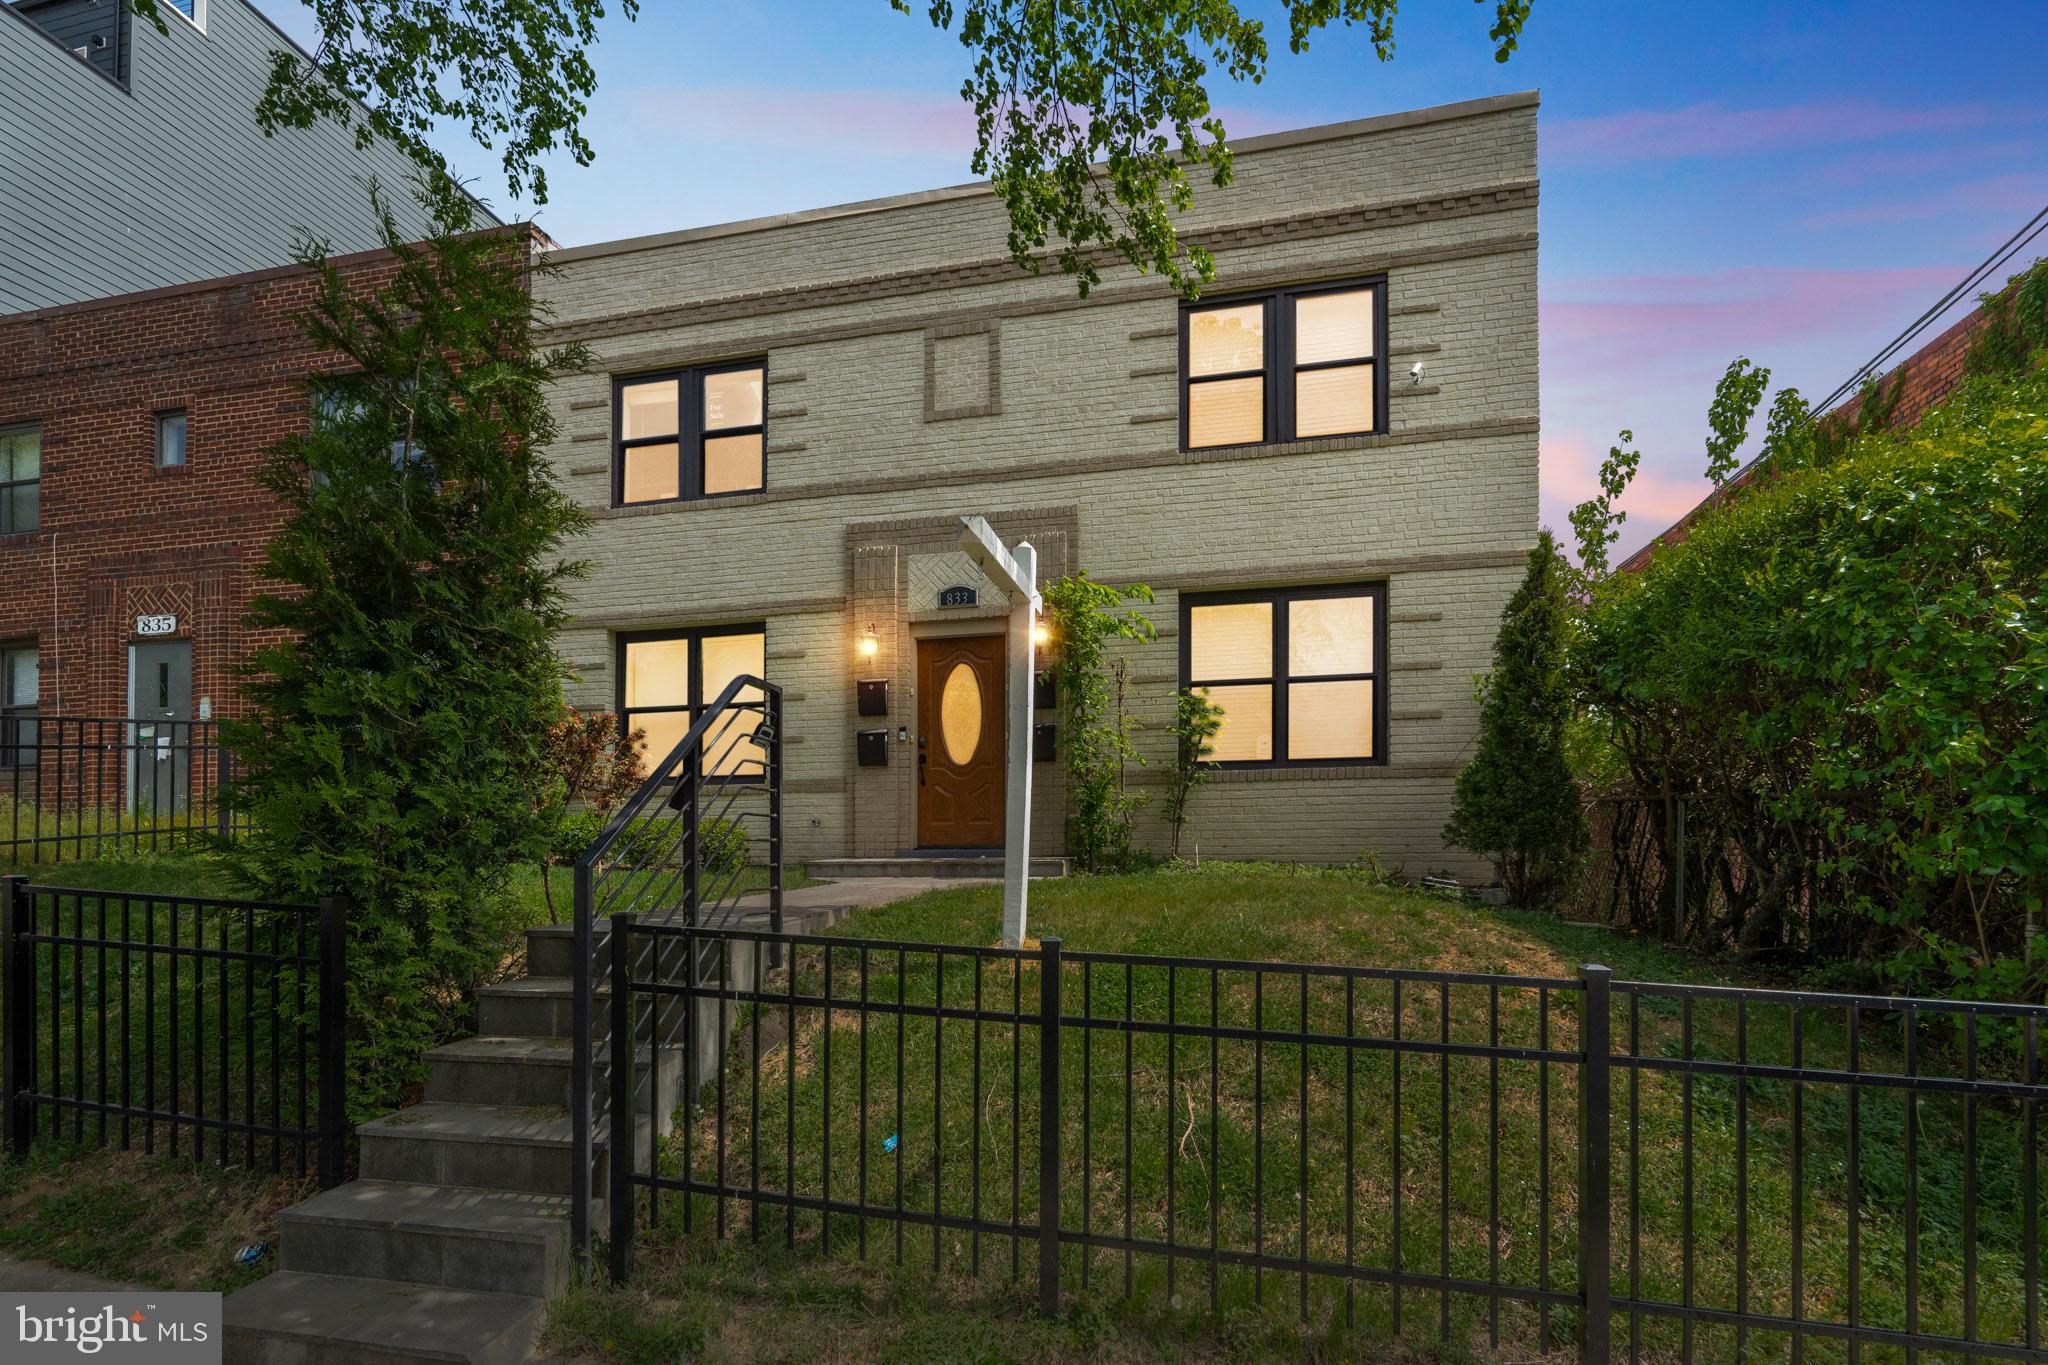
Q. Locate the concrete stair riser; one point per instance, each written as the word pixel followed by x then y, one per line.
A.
pixel 478 1146
pixel 462 1239
pixel 292 1318
pixel 524 1072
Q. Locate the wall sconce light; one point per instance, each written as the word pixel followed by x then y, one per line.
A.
pixel 870 643
pixel 1041 634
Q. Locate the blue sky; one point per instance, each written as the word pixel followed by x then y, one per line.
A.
pixel 1790 181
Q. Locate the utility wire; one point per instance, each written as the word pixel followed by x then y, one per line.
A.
pixel 1990 266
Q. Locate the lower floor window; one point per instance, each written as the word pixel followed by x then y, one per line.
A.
pixel 20 681
pixel 1296 672
pixel 667 678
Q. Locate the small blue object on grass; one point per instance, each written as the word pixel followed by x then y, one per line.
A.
pixel 252 1253
pixel 889 1143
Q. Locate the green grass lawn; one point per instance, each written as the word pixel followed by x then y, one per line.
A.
pixel 1281 1122
pixel 154 1221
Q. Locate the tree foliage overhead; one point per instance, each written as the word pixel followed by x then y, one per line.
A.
pixel 1090 114
pixel 394 751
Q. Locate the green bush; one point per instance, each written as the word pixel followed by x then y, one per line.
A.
pixel 393 748
pixel 1846 674
pixel 1516 801
pixel 723 846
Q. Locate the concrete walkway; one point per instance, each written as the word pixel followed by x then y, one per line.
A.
pixel 808 909
pixel 33 1277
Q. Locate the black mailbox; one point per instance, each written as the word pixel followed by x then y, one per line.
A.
pixel 1045 694
pixel 1042 748
pixel 872 748
pixel 872 695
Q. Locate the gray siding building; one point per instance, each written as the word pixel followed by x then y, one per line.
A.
pixel 130 159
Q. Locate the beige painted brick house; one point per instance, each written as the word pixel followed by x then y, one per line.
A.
pixel 789 416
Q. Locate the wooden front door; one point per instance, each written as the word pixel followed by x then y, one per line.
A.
pixel 960 742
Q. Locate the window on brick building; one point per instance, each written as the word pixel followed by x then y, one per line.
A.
pixel 170 439
pixel 21 475
pixel 19 684
pixel 1298 673
pixel 696 433
pixel 1285 365
pixel 667 678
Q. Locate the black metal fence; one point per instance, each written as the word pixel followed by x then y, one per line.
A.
pixel 82 786
pixel 203 1027
pixel 1519 1163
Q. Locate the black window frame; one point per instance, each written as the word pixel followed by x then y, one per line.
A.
pixel 15 750
pixel 162 416
pixel 690 431
pixel 695 635
pixel 8 496
pixel 1280 678
pixel 1279 367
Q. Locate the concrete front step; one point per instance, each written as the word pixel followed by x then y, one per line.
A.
pixel 935 865
pixel 294 1318
pixel 525 1071
pixel 493 1240
pixel 536 1007
pixel 487 1147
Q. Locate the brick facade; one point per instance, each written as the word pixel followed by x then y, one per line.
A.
pixel 915 375
pixel 120 538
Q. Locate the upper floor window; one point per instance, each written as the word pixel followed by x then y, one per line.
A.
pixel 1284 366
pixel 667 678
pixel 19 683
pixel 1297 673
pixel 21 474
pixel 170 439
pixel 695 433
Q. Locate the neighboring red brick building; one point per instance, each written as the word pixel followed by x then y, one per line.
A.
pixel 146 417
pixel 131 525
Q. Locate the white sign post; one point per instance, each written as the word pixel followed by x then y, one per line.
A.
pixel 1016 573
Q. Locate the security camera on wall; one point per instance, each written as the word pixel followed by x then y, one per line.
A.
pixel 1415 373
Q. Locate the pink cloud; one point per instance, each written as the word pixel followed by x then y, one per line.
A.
pixel 1717 130
pixel 1860 170
pixel 2018 193
pixel 870 123
pixel 1654 500
pixel 1631 320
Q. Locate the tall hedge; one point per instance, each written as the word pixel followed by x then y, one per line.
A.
pixel 394 748
pixel 1846 673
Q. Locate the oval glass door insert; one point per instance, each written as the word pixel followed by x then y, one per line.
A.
pixel 960 714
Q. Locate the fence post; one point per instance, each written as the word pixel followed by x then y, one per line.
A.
pixel 223 827
pixel 1678 879
pixel 1595 1116
pixel 333 1033
pixel 1049 1127
pixel 18 972
pixel 775 844
pixel 624 1083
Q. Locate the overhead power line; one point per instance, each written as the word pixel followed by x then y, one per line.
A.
pixel 1990 266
